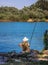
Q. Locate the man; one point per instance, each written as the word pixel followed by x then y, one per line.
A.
pixel 25 45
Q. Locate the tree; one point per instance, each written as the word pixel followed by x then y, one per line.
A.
pixel 38 10
pixel 42 4
pixel 46 40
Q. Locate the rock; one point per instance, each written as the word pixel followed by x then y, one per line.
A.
pixel 30 20
pixel 45 52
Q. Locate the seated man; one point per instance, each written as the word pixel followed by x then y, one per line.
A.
pixel 25 45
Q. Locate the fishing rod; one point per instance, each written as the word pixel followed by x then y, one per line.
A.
pixel 33 32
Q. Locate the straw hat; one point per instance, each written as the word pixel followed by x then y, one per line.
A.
pixel 25 39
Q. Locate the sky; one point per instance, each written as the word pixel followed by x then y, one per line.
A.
pixel 17 3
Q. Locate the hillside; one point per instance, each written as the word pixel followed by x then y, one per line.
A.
pixel 35 12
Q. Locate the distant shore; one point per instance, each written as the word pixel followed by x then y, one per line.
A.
pixel 29 20
pixel 5 21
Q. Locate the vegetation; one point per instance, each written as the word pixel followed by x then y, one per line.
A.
pixel 46 40
pixel 37 12
pixel 27 63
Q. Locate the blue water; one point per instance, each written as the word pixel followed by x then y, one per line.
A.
pixel 12 33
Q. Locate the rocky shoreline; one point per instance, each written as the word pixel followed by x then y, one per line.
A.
pixel 34 56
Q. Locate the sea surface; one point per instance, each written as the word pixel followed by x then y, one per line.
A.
pixel 12 33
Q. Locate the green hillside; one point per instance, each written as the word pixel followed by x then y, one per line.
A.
pixel 36 12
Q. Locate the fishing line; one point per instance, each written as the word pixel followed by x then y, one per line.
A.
pixel 33 32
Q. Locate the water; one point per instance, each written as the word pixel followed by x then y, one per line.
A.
pixel 12 33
